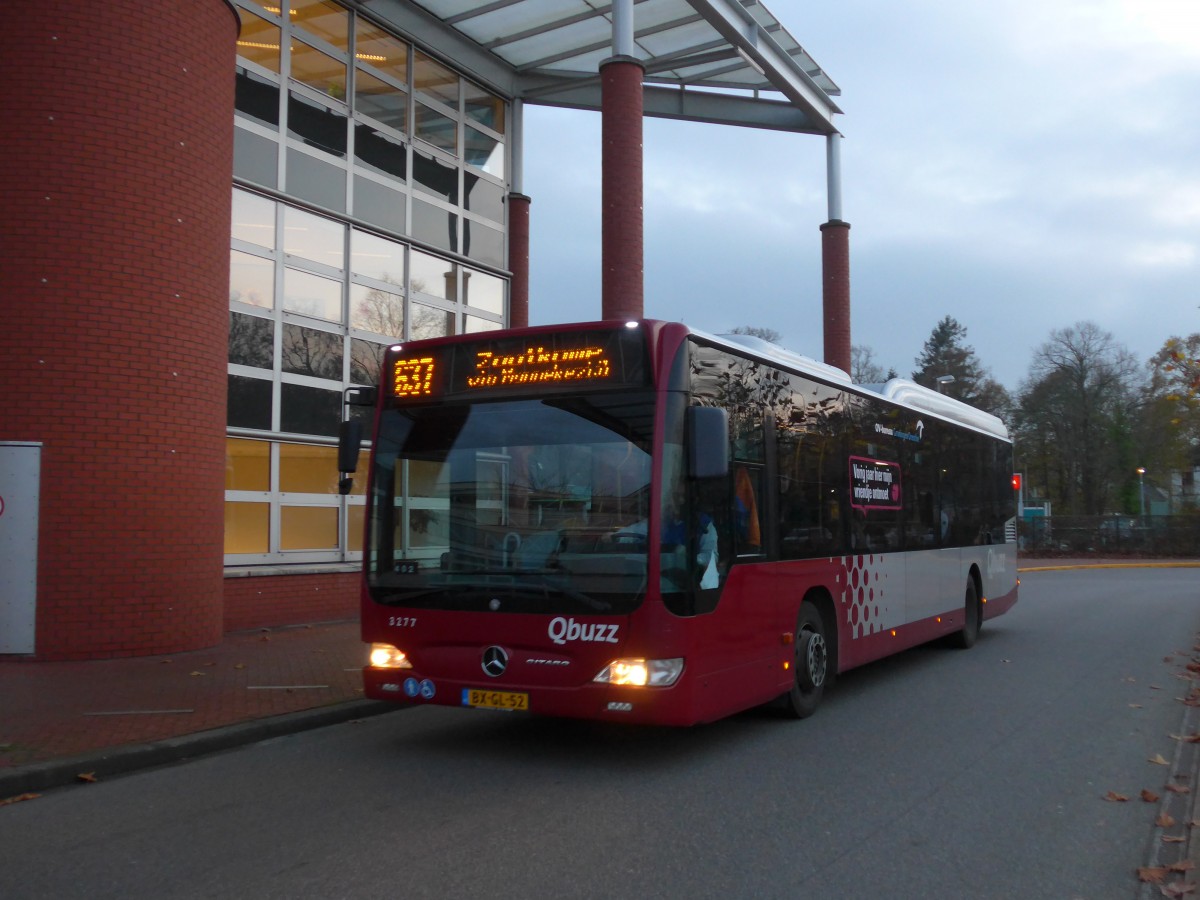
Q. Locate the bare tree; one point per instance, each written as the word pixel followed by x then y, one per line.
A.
pixel 864 369
pixel 767 334
pixel 1075 418
pixel 379 311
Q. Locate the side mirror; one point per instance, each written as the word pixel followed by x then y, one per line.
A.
pixel 349 439
pixel 350 433
pixel 708 442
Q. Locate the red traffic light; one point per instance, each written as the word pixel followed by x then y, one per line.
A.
pixel 1016 481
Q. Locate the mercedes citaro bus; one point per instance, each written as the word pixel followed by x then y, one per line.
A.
pixel 640 522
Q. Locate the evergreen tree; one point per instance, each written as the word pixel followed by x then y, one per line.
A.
pixel 946 353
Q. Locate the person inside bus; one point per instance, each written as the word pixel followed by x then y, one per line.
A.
pixel 706 552
pixel 674 548
pixel 673 530
pixel 860 538
pixel 749 535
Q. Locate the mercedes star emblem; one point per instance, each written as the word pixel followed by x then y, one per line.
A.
pixel 495 661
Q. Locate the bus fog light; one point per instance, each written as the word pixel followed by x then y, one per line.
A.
pixel 641 672
pixel 385 656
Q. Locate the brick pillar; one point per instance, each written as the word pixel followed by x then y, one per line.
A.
pixel 518 260
pixel 114 279
pixel 835 270
pixel 621 188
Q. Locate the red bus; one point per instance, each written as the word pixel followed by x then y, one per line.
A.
pixel 640 522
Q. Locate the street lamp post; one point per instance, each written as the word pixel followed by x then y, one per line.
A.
pixel 943 380
pixel 1142 491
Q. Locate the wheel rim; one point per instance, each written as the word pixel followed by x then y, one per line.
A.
pixel 813 665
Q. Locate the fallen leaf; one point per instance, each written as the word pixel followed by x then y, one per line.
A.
pixel 1152 874
pixel 209 664
pixel 89 777
pixel 1177 889
pixel 199 673
pixel 1173 839
pixel 1184 865
pixel 1114 797
pixel 163 662
pixel 1150 796
pixel 1164 821
pixel 1158 760
pixel 266 637
pixel 240 666
pixel 1179 789
pixel 20 798
pixel 1155 687
pixel 1135 706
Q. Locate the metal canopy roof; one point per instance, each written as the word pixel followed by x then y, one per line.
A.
pixel 724 61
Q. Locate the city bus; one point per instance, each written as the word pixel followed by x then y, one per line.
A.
pixel 641 522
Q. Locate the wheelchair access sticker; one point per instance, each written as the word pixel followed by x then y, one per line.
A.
pixel 425 689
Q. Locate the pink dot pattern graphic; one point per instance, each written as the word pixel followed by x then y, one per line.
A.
pixel 865 596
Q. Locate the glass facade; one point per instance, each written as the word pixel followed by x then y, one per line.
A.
pixel 368 207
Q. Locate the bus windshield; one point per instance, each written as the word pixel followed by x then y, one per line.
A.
pixel 523 505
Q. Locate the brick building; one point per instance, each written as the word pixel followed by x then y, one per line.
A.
pixel 217 214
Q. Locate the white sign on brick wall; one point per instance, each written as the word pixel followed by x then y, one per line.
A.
pixel 20 485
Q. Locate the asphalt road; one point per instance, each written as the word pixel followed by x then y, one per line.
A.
pixel 938 773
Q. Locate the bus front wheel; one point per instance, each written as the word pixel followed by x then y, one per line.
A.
pixel 811 666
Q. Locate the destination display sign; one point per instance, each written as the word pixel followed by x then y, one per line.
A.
pixel 513 364
pixel 537 365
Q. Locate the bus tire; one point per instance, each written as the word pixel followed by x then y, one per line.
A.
pixel 811 666
pixel 966 638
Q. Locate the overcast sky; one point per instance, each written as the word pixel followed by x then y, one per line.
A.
pixel 1020 166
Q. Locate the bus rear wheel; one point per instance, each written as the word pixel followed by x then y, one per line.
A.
pixel 811 665
pixel 966 638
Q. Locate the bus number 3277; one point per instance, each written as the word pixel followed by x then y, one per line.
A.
pixel 641 522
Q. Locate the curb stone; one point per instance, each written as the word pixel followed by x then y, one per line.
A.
pixel 128 758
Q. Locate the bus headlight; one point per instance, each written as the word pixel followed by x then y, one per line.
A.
pixel 385 656
pixel 641 672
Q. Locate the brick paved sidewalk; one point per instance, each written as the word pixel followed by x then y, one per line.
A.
pixel 57 710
